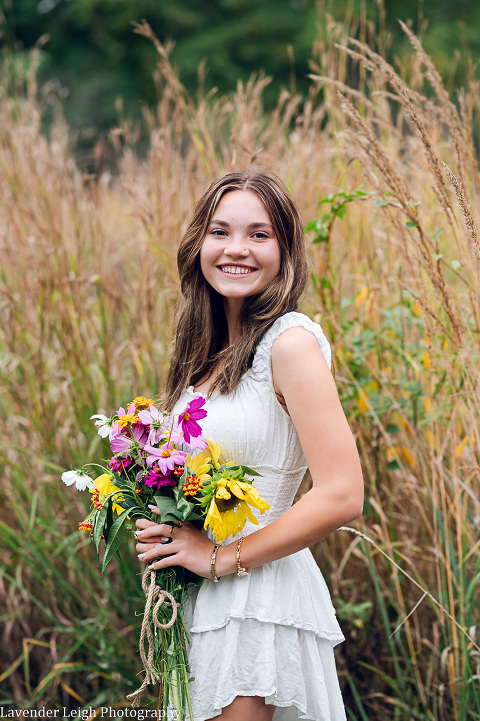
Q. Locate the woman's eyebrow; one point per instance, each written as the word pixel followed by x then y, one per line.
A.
pixel 260 225
pixel 250 226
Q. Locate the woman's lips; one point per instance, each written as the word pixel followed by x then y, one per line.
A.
pixel 236 270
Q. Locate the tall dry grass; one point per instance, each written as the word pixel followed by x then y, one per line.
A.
pixel 88 291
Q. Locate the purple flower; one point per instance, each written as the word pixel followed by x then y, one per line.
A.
pixel 122 443
pixel 156 478
pixel 188 419
pixel 153 418
pixel 118 464
pixel 166 457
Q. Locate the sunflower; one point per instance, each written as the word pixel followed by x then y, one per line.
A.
pixel 229 507
pixel 104 486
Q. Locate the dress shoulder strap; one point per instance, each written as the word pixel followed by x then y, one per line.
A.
pixel 262 367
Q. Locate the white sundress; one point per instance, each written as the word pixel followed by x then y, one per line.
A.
pixel 271 633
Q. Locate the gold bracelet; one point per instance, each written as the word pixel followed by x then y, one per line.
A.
pixel 212 563
pixel 240 570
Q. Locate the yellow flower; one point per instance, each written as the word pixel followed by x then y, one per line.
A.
pixel 142 402
pixel 230 507
pixel 104 486
pixel 214 452
pixel 123 421
pixel 200 465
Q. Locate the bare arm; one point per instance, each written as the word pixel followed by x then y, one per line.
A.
pixel 302 378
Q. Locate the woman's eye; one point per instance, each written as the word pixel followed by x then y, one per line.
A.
pixel 217 232
pixel 260 235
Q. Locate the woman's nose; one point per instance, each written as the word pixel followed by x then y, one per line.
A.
pixel 236 247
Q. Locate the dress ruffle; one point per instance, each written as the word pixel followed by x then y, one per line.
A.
pixel 303 603
pixel 292 669
pixel 268 634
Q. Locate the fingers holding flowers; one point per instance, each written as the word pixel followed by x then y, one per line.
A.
pixel 189 547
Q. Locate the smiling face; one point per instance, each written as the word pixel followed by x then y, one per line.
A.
pixel 240 253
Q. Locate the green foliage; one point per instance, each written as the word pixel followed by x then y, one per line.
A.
pixel 91 50
pixel 322 227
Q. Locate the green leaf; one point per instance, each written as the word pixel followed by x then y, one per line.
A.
pixel 411 224
pixel 340 211
pixel 109 521
pixel 100 521
pixel 114 538
pixel 127 502
pixel 379 203
pixel 195 516
pixel 455 264
pixel 184 506
pixel 121 482
pixel 244 469
pixel 392 428
pixel 168 509
pixel 321 236
pixel 438 256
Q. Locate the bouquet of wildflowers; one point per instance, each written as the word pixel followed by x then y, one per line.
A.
pixel 162 459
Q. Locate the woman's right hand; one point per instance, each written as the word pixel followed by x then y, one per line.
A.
pixel 141 524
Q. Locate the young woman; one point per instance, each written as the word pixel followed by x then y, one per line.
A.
pixel 262 638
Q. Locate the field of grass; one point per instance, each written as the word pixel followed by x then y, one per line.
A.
pixel 384 167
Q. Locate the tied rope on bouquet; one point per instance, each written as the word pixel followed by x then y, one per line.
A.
pixel 158 596
pixel 162 459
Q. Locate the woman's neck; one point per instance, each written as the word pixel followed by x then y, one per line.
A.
pixel 232 308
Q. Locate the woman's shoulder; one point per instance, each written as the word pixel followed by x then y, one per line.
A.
pixel 262 360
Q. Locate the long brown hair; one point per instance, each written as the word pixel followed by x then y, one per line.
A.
pixel 202 331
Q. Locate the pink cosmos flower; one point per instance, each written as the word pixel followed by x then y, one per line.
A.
pixel 188 419
pixel 156 478
pixel 176 436
pixel 122 443
pixel 166 457
pixel 153 418
pixel 199 443
pixel 126 416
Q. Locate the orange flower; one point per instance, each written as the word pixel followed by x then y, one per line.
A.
pixel 142 402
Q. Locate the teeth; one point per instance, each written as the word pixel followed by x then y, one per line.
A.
pixel 236 270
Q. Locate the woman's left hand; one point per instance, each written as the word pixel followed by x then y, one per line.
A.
pixel 189 547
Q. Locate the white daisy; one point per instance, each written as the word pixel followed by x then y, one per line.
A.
pixel 104 425
pixel 79 478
